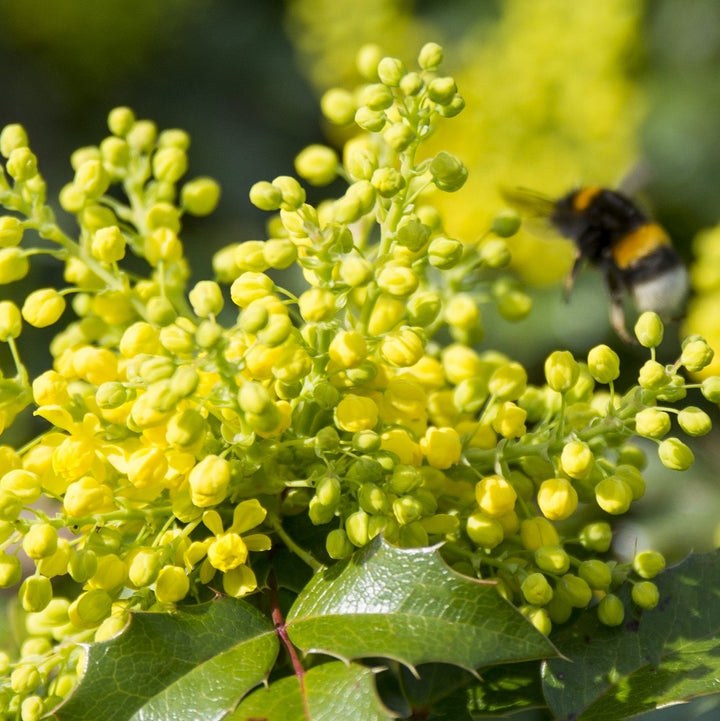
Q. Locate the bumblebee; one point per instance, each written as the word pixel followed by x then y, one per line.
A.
pixel 610 232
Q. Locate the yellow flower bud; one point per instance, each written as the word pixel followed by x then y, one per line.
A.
pixel 249 287
pixel 10 570
pixel 430 56
pixel 444 253
pixel 674 454
pixel 613 495
pixel 390 71
pixel 603 364
pixel 317 304
pixel 441 447
pixel 86 497
pixel 355 271
pixel 172 584
pixel 508 382
pixel 11 231
pixel 645 594
pixel 120 120
pixel 536 589
pixel 14 265
pixel 169 164
pixel 653 375
pixel 10 320
pixel 90 608
pixel 652 423
pixel 387 181
pixel 209 481
pixel 694 421
pixel 696 355
pixel 43 307
pixel 647 564
pixel 356 413
pixel 596 574
pixel 12 136
pixel 317 164
pixel 448 172
pixel 649 329
pixel 557 499
pixel 561 371
pixel 552 559
pixel 397 281
pixel 338 106
pixel 402 348
pixel 509 420
pixel 108 244
pixel 22 164
pixel 40 541
pixel 200 196
pixel 386 314
pixel 574 590
pixel 348 349
pixel 577 460
pixel 495 495
pixel 206 298
pixel 537 532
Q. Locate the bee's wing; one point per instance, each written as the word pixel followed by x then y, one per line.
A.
pixel 535 208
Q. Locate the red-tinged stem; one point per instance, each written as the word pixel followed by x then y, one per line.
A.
pixel 281 629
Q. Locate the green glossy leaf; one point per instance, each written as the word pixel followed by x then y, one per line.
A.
pixel 406 604
pixel 507 689
pixel 192 664
pixel 657 657
pixel 332 692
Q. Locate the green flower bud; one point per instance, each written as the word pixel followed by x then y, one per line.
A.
pixel 536 589
pixel 120 120
pixel 367 61
pixel 444 253
pixel 645 594
pixel 115 155
pixel 407 509
pixel 559 610
pixel 454 107
pixel 373 499
pixel 24 679
pixel 694 421
pixel 371 120
pixel 32 708
pixel 411 84
pixel 423 308
pixel 366 441
pixel 404 479
pixel 514 305
pixel 603 364
pixel 265 195
pixel 293 194
pixel 10 570
pixel 649 329
pixel 82 565
pixel 356 528
pixel 574 590
pixel 632 476
pixel 12 137
pixel 11 231
pixel 377 96
pixel 508 382
pixel 653 375
pixel 647 564
pixel 144 566
pixel 495 253
pixel 675 455
pixel 561 370
pixel 442 90
pixel 387 181
pixel 696 354
pixel 35 593
pixel 610 610
pixel 483 530
pixel 448 172
pixel 596 574
pixel 673 391
pixel 250 255
pixel 22 165
pixel 553 559
pixel 430 56
pixel 506 223
pixel 141 136
pixel 338 106
pixel 397 281
pixel 398 136
pixel 652 423
pixel 318 164
pixel 390 71
pixel 632 455
pixel 338 545
pixel 613 495
pixel 200 196
pixel 711 389
pixel 40 541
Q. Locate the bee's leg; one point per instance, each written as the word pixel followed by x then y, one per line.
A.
pixel 617 309
pixel 572 275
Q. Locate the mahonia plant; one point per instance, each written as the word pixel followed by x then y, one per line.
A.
pixel 178 445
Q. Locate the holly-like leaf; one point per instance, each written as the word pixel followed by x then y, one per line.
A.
pixel 331 692
pixel 191 664
pixel 657 657
pixel 406 604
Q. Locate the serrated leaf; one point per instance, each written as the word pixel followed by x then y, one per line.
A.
pixel 332 691
pixel 192 664
pixel 406 604
pixel 657 657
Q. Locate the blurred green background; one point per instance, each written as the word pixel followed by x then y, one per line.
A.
pixel 244 79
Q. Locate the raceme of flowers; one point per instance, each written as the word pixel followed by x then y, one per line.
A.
pixel 176 444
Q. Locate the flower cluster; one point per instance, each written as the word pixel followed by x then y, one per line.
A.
pixel 362 401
